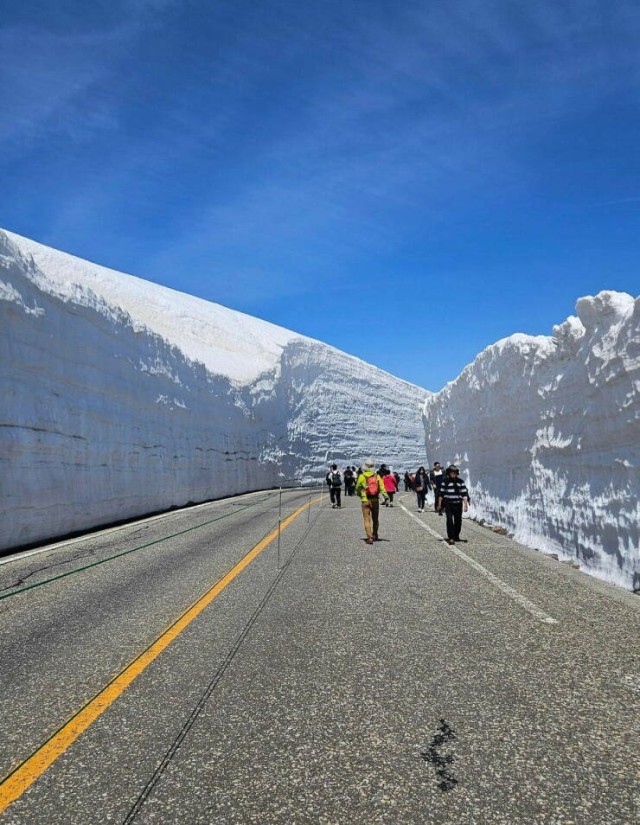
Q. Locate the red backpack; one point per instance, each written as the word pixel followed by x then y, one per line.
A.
pixel 373 488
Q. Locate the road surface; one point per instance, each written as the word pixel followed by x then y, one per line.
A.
pixel 192 668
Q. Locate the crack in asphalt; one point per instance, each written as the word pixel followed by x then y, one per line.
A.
pixel 441 762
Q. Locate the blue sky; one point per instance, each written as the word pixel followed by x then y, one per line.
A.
pixel 408 181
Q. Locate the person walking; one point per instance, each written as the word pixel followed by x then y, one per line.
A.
pixel 408 482
pixel 334 480
pixel 436 477
pixel 421 485
pixel 349 481
pixel 454 497
pixel 369 487
pixel 382 472
pixel 390 485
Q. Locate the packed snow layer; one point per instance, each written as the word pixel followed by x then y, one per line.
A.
pixel 122 398
pixel 547 434
pixel 227 342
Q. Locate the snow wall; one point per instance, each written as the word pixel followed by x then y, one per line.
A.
pixel 546 431
pixel 104 419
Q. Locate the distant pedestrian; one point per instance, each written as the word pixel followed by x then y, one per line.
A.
pixel 334 480
pixel 370 487
pixel 390 485
pixel 454 497
pixel 421 485
pixel 436 477
pixel 349 481
pixel 408 482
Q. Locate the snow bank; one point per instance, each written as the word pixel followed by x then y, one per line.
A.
pixel 547 433
pixel 122 398
pixel 227 342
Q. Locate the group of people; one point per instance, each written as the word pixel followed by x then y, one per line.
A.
pixel 350 476
pixel 451 496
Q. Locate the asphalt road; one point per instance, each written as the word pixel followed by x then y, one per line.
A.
pixel 323 681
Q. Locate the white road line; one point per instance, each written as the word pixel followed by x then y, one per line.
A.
pixel 530 607
pixel 25 554
pixel 97 534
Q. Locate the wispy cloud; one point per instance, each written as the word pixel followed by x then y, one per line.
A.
pixel 50 74
pixel 417 110
pixel 44 75
pixel 616 202
pixel 338 129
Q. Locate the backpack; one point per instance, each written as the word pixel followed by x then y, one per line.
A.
pixel 335 479
pixel 373 488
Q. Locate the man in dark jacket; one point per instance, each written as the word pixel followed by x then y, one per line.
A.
pixel 334 480
pixel 349 481
pixel 454 497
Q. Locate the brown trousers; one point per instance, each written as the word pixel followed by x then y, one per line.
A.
pixel 370 514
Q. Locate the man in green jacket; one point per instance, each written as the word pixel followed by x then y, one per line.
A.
pixel 369 492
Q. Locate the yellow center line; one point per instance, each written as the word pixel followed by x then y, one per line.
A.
pixel 22 777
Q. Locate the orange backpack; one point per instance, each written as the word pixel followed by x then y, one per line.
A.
pixel 373 488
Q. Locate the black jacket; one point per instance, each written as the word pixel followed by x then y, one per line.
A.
pixel 421 480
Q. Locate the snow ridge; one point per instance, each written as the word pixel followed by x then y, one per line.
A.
pixel 225 341
pixel 547 432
